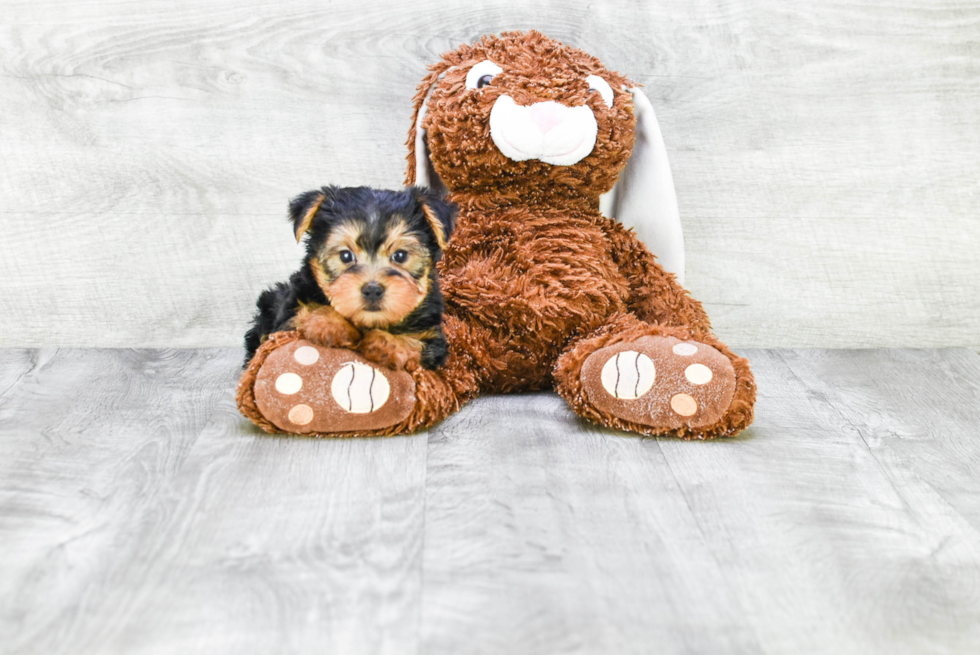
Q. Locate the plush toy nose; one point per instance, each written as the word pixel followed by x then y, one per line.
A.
pixel 547 115
pixel 372 291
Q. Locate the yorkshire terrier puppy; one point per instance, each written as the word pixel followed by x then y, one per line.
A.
pixel 368 280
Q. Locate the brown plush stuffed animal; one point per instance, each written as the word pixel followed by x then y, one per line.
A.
pixel 535 140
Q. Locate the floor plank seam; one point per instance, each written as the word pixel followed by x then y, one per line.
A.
pixel 882 469
pixel 33 354
pixel 420 617
pixel 708 542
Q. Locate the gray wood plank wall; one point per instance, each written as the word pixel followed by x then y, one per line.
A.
pixel 825 154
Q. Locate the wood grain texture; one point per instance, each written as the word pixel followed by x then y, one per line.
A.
pixel 86 440
pixel 835 522
pixel 824 154
pixel 843 521
pixel 140 514
pixel 547 535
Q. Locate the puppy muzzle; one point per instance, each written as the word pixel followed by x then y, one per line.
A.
pixel 372 292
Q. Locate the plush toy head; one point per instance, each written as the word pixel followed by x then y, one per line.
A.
pixel 523 118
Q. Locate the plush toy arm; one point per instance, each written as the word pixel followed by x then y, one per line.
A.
pixel 656 297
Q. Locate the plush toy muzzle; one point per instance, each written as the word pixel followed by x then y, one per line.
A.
pixel 547 131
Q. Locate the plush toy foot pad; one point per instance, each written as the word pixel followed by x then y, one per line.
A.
pixel 310 389
pixel 661 382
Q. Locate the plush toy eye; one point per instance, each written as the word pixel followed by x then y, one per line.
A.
pixel 480 75
pixel 399 257
pixel 346 256
pixel 596 83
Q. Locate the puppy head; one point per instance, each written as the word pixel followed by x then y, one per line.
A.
pixel 517 112
pixel 373 252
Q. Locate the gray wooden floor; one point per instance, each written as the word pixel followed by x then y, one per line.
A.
pixel 140 514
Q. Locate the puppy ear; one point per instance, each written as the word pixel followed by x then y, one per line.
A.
pixel 439 213
pixel 420 170
pixel 304 207
pixel 644 196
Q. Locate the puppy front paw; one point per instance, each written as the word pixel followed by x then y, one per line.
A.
pixel 322 325
pixel 390 350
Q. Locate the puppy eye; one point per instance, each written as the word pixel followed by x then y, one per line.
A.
pixel 346 257
pixel 399 257
pixel 481 74
pixel 596 83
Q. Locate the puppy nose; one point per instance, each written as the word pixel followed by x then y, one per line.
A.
pixel 547 115
pixel 372 291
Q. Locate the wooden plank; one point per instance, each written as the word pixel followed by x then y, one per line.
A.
pixel 15 364
pixel 843 521
pixel 275 544
pixel 85 439
pixel 547 535
pixel 821 515
pixel 140 513
pixel 824 154
pixel 143 514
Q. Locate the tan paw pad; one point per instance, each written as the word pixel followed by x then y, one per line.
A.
pixel 684 405
pixel 301 414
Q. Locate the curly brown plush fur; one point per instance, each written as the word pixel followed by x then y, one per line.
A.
pixel 535 279
pixel 537 69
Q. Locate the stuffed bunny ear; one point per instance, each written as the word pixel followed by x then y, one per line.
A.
pixel 420 170
pixel 644 196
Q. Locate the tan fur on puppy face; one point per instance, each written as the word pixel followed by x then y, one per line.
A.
pixel 406 283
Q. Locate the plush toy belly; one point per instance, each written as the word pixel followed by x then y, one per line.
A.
pixel 533 281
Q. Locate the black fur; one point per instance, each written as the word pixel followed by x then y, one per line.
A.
pixel 277 305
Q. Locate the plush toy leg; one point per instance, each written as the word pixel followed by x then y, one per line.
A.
pixel 295 386
pixel 656 380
